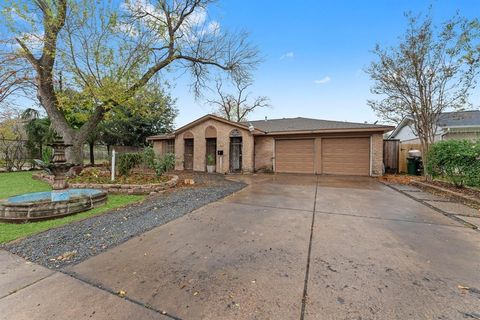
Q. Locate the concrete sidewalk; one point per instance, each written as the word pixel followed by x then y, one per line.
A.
pixel 29 291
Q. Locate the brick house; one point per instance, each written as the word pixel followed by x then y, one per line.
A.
pixel 294 145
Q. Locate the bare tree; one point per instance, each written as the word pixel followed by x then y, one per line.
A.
pixel 431 69
pixel 13 82
pixel 13 153
pixel 109 53
pixel 236 106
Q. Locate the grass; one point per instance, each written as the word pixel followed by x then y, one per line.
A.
pixel 21 182
pixel 14 183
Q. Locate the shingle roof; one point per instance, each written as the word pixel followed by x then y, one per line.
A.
pixel 308 124
pixel 461 118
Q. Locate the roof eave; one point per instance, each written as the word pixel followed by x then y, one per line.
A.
pixel 380 129
pixel 161 137
pixel 402 124
pixel 214 117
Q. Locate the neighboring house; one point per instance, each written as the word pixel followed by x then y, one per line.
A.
pixel 296 145
pixel 451 125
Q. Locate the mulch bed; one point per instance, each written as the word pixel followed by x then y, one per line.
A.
pixel 464 190
pixel 400 178
pixel 104 177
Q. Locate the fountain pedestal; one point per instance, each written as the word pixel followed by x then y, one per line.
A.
pixel 59 167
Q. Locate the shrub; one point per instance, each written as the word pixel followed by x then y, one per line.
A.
pixel 149 158
pixel 47 155
pixel 127 161
pixel 211 160
pixel 458 161
pixel 165 164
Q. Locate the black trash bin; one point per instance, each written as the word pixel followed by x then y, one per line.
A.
pixel 414 166
pixel 411 166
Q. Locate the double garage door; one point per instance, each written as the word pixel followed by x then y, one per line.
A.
pixel 347 156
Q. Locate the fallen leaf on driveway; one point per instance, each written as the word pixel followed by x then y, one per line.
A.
pixel 67 255
pixel 122 293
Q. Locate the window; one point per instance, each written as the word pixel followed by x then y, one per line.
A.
pixel 170 146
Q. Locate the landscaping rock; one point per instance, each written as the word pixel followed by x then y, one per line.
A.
pixel 111 229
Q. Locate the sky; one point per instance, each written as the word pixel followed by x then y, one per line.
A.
pixel 315 53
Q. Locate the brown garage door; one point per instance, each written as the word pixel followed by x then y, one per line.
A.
pixel 294 156
pixel 350 156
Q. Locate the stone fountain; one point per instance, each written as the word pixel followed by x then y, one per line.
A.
pixel 59 202
pixel 59 168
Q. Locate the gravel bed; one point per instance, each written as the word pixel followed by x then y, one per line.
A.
pixel 75 242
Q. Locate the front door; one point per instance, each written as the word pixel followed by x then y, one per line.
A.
pixel 211 150
pixel 236 154
pixel 188 155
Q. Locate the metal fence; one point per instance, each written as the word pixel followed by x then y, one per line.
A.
pixel 103 154
pixel 14 155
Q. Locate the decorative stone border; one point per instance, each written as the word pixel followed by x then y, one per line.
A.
pixel 129 188
pixel 42 210
pixel 472 201
pixel 120 188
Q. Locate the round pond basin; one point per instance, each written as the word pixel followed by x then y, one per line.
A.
pixel 39 205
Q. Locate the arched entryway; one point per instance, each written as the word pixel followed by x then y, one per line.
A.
pixel 235 151
pixel 188 141
pixel 210 146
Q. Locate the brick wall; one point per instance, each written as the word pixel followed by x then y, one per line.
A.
pixel 264 153
pixel 159 147
pixel 223 143
pixel 377 154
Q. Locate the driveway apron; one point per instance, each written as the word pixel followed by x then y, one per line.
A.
pixel 240 258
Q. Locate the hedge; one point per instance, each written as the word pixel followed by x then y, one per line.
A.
pixel 457 161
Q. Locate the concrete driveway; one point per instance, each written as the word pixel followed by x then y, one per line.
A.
pixel 285 247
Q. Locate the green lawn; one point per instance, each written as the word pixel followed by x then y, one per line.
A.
pixel 21 182
pixel 14 183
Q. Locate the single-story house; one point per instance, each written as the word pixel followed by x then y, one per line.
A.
pixel 451 125
pixel 294 145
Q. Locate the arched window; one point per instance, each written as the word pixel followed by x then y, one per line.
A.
pixel 188 135
pixel 210 132
pixel 235 133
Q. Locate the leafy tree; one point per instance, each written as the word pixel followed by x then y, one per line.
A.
pixel 155 113
pixel 433 68
pixel 39 132
pixel 111 50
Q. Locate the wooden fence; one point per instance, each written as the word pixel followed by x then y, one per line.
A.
pixel 390 155
pixel 403 154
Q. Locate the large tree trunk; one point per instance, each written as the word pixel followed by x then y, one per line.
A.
pixel 425 146
pixel 76 138
pixel 74 154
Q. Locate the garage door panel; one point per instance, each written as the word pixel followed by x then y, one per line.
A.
pixel 294 156
pixel 348 156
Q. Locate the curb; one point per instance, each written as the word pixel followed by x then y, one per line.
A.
pixel 456 195
pixel 448 215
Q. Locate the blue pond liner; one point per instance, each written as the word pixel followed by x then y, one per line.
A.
pixel 47 195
